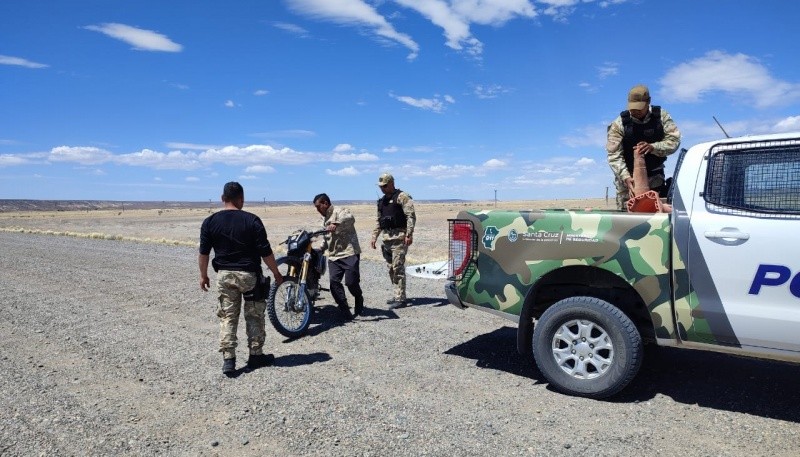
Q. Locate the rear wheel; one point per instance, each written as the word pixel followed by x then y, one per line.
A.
pixel 586 346
pixel 289 308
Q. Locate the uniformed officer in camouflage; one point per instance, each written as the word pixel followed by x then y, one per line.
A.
pixel 240 243
pixel 396 219
pixel 641 129
pixel 344 254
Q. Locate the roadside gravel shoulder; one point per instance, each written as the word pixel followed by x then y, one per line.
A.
pixel 109 347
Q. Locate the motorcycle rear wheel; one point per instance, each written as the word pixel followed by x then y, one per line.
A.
pixel 288 310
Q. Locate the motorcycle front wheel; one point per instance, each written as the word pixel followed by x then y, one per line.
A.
pixel 289 310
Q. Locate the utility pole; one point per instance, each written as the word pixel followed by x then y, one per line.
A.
pixel 265 205
pixel 495 198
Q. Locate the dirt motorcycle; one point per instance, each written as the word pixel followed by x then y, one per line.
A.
pixel 290 305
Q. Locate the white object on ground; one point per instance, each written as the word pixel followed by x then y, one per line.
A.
pixel 431 270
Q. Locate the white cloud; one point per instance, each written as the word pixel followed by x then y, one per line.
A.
pixel 347 171
pixel 607 69
pixel 738 75
pixel 494 163
pixel 255 154
pixel 9 60
pixel 435 104
pixel 247 177
pixel 585 161
pixel 229 104
pixel 191 179
pixel 140 39
pixel 259 169
pixel 391 149
pixel 191 146
pixel 297 133
pixel 488 91
pixel 356 13
pixel 789 124
pixel 8 160
pixel 455 17
pixel 593 135
pixel 343 147
pixel 260 92
pixel 363 157
pixel 174 160
pixel 80 154
pixel 291 28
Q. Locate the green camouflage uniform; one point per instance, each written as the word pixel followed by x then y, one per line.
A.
pixel 663 148
pixel 394 239
pixel 230 287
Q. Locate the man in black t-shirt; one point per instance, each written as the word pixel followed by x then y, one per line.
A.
pixel 240 243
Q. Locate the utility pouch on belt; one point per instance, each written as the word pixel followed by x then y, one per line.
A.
pixel 387 253
pixel 261 289
pixel 386 222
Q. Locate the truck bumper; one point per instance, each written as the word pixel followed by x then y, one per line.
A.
pixel 452 296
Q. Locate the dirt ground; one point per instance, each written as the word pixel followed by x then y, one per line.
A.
pixel 109 347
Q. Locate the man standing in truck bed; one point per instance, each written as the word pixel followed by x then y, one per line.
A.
pixel 641 129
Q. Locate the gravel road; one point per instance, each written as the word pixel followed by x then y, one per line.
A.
pixel 109 348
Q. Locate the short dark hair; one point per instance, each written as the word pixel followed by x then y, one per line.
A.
pixel 324 197
pixel 232 191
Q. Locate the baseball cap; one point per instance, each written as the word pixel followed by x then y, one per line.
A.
pixel 385 179
pixel 638 97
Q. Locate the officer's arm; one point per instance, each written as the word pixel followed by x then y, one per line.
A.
pixel 672 137
pixel 614 150
pixel 202 261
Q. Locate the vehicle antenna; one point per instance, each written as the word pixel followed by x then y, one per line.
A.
pixel 720 126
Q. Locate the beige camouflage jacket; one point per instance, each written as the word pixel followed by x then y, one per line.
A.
pixel 411 219
pixel 663 148
pixel 342 242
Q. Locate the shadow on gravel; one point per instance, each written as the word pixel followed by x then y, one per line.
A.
pixel 707 379
pixel 720 381
pixel 421 301
pixel 498 351
pixel 301 359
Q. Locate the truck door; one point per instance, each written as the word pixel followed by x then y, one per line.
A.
pixel 743 255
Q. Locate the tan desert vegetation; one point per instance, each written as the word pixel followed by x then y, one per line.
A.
pixel 178 225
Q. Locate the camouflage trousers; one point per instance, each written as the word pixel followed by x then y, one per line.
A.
pixel 397 266
pixel 230 287
pixel 624 194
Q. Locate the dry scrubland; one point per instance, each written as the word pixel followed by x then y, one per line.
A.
pixel 108 347
pixel 182 226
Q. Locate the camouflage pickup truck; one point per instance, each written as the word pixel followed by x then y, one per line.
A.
pixel 589 288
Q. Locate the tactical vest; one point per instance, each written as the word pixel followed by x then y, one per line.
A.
pixel 391 212
pixel 651 131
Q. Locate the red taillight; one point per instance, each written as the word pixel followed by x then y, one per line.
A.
pixel 460 247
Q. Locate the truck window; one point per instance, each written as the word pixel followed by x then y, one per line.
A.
pixel 758 179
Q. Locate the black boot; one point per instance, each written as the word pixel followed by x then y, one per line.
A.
pixel 359 307
pixel 345 310
pixel 228 366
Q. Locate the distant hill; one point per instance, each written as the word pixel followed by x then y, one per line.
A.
pixel 8 205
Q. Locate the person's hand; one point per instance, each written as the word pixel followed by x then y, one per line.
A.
pixel 278 279
pixel 407 241
pixel 629 183
pixel 331 227
pixel 204 283
pixel 372 243
pixel 643 148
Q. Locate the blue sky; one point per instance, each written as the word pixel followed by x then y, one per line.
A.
pixel 154 100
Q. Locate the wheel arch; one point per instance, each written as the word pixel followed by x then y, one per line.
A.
pixel 581 280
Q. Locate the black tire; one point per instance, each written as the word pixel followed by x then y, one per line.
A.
pixel 587 347
pixel 290 318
